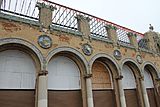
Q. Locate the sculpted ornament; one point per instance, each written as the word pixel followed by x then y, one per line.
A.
pixel 139 59
pixel 45 41
pixel 87 49
pixel 117 54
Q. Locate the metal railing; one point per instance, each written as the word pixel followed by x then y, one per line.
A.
pixel 65 17
pixel 21 8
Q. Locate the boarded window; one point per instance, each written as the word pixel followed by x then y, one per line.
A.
pixel 63 74
pixel 101 78
pixel 129 86
pixel 128 80
pixel 17 70
pixel 148 79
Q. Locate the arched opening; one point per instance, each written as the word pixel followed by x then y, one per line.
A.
pixel 17 79
pixel 129 86
pixel 149 76
pixel 64 82
pixel 102 84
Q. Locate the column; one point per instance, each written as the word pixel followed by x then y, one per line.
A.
pixel 83 25
pixel 43 89
pixel 1 1
pixel 45 14
pixel 121 92
pixel 111 31
pixel 133 39
pixel 144 93
pixel 89 91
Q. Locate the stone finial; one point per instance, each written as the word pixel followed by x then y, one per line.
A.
pixel 112 34
pixel 45 14
pixel 83 25
pixel 151 27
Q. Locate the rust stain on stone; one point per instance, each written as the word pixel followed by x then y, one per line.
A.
pixel 10 27
pixel 64 38
pixel 55 45
pixel 133 55
pixel 80 43
pixel 78 47
pixel 108 46
pixel 143 55
pixel 125 50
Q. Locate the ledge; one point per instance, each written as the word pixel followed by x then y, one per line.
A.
pixel 126 45
pixel 19 19
pixel 65 30
pixel 102 39
pixel 145 50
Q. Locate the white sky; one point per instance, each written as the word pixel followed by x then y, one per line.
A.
pixel 133 14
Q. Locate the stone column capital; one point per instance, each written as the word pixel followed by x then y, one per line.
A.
pixel 119 77
pixel 87 75
pixel 141 78
pixel 43 72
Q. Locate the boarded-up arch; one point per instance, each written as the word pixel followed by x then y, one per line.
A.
pixel 102 83
pixel 150 75
pixel 129 86
pixel 101 78
pixel 82 64
pixel 63 74
pixel 17 79
pixel 64 81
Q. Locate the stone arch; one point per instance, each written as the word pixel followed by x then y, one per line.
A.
pixel 134 65
pixel 70 51
pixel 17 43
pixel 78 96
pixel 154 70
pixel 151 84
pixel 130 91
pixel 105 72
pixel 105 56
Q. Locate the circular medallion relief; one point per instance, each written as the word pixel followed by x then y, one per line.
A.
pixel 87 49
pixel 139 59
pixel 45 41
pixel 117 54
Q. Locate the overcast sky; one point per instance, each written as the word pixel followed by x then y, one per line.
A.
pixel 133 14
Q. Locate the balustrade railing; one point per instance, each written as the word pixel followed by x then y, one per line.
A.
pixel 65 17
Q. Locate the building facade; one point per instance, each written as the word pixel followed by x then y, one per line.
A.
pixel 54 56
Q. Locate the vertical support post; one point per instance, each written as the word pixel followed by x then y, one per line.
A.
pixel 45 14
pixel 89 90
pixel 83 25
pixel 121 92
pixel 43 89
pixel 133 39
pixel 144 93
pixel 1 1
pixel 111 31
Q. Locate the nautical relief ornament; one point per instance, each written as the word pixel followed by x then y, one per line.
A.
pixel 139 59
pixel 117 54
pixel 87 49
pixel 45 41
